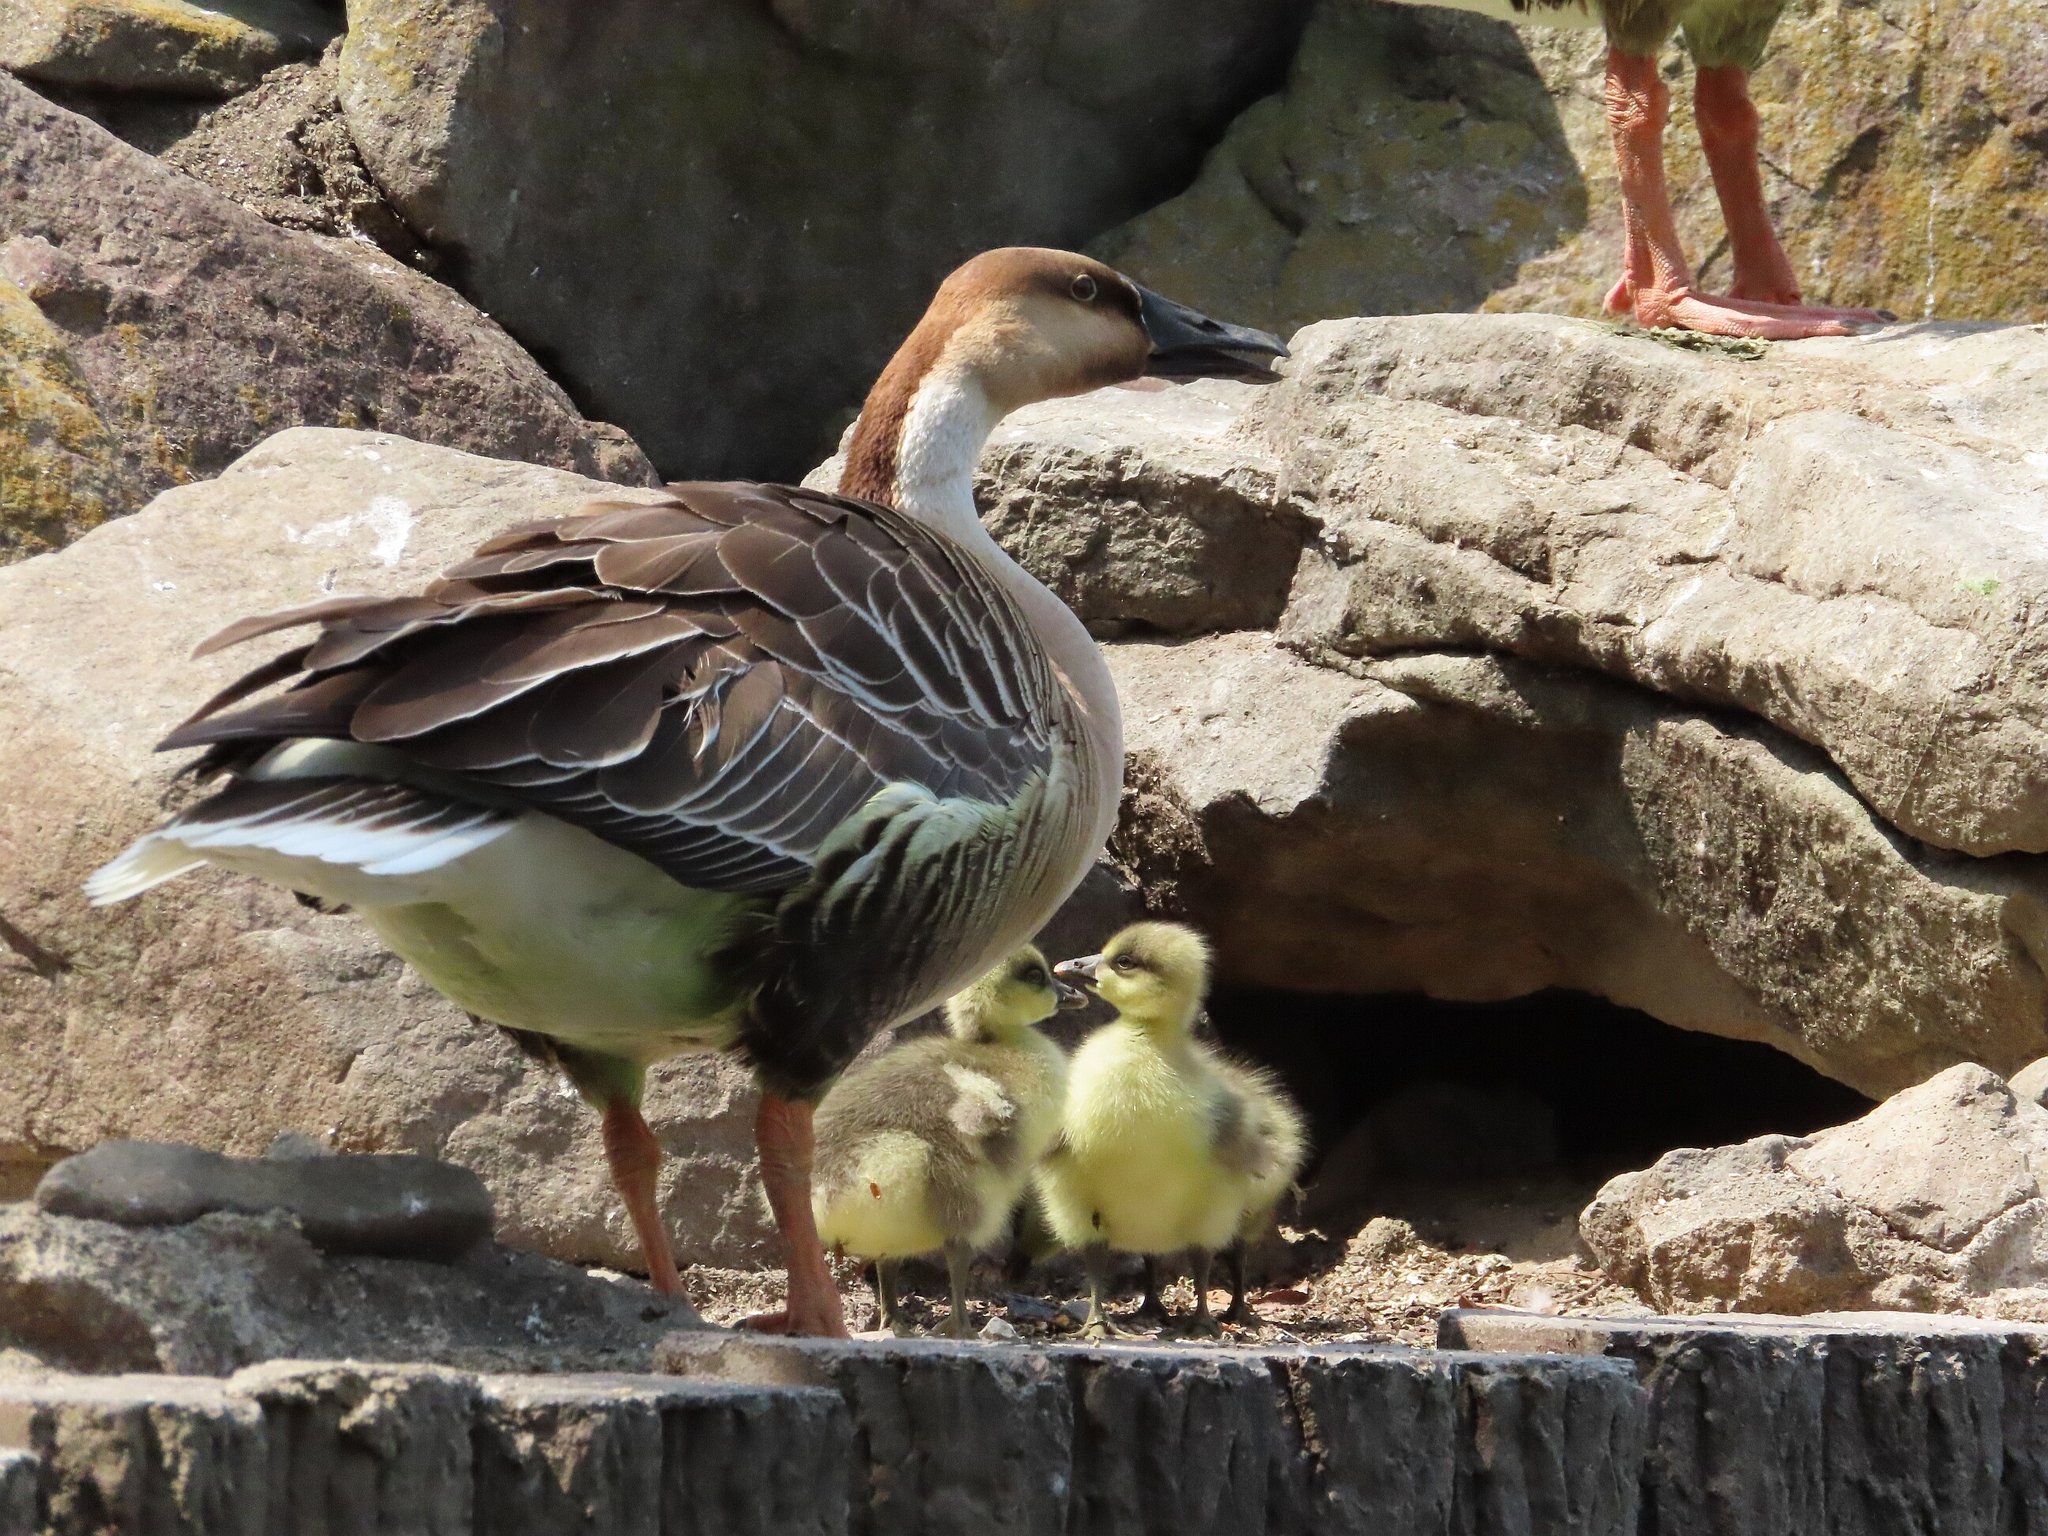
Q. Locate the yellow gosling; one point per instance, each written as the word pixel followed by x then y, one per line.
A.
pixel 928 1148
pixel 1162 1147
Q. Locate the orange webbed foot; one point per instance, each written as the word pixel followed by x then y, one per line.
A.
pixel 1682 309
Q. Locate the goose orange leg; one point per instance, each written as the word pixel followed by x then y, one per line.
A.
pixel 1656 287
pixel 1727 123
pixel 782 1133
pixel 635 1158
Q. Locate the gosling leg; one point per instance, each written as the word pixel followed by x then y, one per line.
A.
pixel 1153 1308
pixel 1240 1299
pixel 957 1256
pixel 1203 1324
pixel 888 1310
pixel 1097 1324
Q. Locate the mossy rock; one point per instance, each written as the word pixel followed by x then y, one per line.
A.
pixel 61 469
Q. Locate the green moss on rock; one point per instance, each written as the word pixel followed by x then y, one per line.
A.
pixel 60 468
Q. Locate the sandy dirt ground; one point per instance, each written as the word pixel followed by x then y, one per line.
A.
pixel 1383 1276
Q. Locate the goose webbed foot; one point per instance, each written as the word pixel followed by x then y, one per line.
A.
pixel 1679 308
pixel 782 1133
pixel 1656 289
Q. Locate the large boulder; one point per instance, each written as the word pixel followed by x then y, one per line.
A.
pixel 151 330
pixel 1936 1197
pixel 716 220
pixel 1699 680
pixel 1423 159
pixel 218 1010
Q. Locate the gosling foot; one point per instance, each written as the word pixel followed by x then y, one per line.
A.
pixel 1097 1326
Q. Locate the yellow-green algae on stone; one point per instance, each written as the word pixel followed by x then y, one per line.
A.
pixel 60 468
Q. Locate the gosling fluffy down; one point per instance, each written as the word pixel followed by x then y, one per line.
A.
pixel 928 1148
pixel 1166 1144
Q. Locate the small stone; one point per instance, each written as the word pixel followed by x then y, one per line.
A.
pixel 2031 1082
pixel 394 1206
pixel 1383 1237
pixel 997 1331
pixel 290 1144
pixel 1027 1309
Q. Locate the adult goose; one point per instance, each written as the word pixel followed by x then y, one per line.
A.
pixel 1726 39
pixel 751 768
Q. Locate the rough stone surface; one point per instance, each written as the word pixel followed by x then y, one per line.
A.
pixel 1421 159
pixel 822 165
pixel 168 330
pixel 220 1011
pixel 1592 673
pixel 159 45
pixel 1852 1423
pixel 305 1447
pixel 1935 1195
pixel 1163 522
pixel 1413 161
pixel 2031 1081
pixel 1125 1439
pixel 284 153
pixel 395 1207
pixel 650 1456
pixel 226 1291
pixel 158 1457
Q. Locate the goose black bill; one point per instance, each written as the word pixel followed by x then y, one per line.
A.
pixel 1187 344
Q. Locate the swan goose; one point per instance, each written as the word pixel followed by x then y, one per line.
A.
pixel 927 1148
pixel 752 768
pixel 1160 1149
pixel 1726 39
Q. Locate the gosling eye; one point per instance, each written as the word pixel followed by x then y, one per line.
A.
pixel 1084 288
pixel 1032 976
pixel 1125 963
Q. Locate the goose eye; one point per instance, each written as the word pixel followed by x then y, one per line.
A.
pixel 1125 962
pixel 1033 977
pixel 1084 288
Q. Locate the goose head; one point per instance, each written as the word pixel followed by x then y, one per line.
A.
pixel 1153 974
pixel 1007 329
pixel 1017 994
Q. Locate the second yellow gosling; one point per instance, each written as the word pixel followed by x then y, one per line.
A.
pixel 928 1148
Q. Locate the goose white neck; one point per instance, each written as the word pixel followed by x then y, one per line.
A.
pixel 949 419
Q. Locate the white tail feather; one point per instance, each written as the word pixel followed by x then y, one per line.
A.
pixel 322 838
pixel 148 861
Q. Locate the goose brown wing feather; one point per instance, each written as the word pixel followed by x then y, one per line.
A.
pixel 715 681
